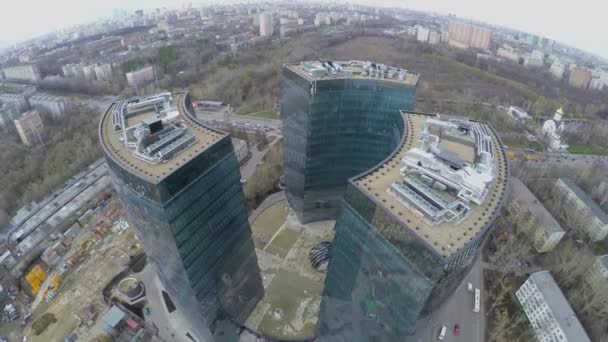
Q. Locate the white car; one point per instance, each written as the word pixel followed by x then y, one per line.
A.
pixel 442 332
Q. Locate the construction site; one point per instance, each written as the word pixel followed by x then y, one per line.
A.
pixel 62 292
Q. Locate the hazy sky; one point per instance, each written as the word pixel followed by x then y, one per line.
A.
pixel 579 23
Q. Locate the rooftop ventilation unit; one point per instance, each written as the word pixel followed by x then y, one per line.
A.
pixel 175 147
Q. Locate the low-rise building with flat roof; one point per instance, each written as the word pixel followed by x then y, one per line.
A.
pixel 240 149
pixel 140 77
pixel 545 231
pixel 592 219
pixel 54 105
pixel 548 310
pixel 598 273
pixel 28 73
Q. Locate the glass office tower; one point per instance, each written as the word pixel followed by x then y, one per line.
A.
pixel 339 119
pixel 389 266
pixel 184 200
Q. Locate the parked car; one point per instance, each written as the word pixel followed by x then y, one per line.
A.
pixel 456 329
pixel 442 332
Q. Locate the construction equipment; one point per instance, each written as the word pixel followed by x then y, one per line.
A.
pixel 35 278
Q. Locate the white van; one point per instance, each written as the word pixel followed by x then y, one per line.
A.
pixel 442 332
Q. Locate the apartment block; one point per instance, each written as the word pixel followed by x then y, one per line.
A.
pixel 548 310
pixel 590 216
pixel 545 231
pixel 29 126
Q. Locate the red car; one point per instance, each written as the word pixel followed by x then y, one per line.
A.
pixel 456 329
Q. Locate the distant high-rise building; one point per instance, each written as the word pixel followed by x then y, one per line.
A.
pixel 466 36
pixel 548 310
pixel 422 34
pixel 579 77
pixel 338 121
pixel 266 25
pixel 29 126
pixel 179 183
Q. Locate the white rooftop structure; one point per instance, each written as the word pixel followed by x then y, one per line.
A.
pixel 553 129
pixel 452 167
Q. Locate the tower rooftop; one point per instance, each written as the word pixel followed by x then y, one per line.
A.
pixel 154 136
pixel 322 70
pixel 448 194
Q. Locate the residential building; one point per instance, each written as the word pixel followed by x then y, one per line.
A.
pixel 507 52
pixel 8 113
pixel 544 230
pixel 364 97
pixel 54 105
pixel 422 34
pixel 163 25
pixel 591 218
pixel 534 59
pixel 141 77
pixel 266 25
pixel 28 73
pixel 180 188
pixel 30 128
pixel 548 310
pixel 240 149
pixel 557 70
pixel 596 83
pixel 88 72
pixel 16 95
pixel 466 36
pixel 434 37
pixel 103 72
pixel 322 19
pixel 579 77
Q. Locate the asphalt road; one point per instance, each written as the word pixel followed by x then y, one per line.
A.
pixel 458 309
pixel 256 157
pixel 247 123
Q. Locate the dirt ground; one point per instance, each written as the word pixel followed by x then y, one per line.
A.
pixel 290 305
pixel 83 285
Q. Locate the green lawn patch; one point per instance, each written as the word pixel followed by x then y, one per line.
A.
pixel 522 144
pixel 266 115
pixel 587 149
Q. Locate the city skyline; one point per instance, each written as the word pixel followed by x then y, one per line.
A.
pixel 580 19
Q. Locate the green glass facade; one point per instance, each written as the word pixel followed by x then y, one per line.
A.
pixel 334 129
pixel 194 225
pixel 382 276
